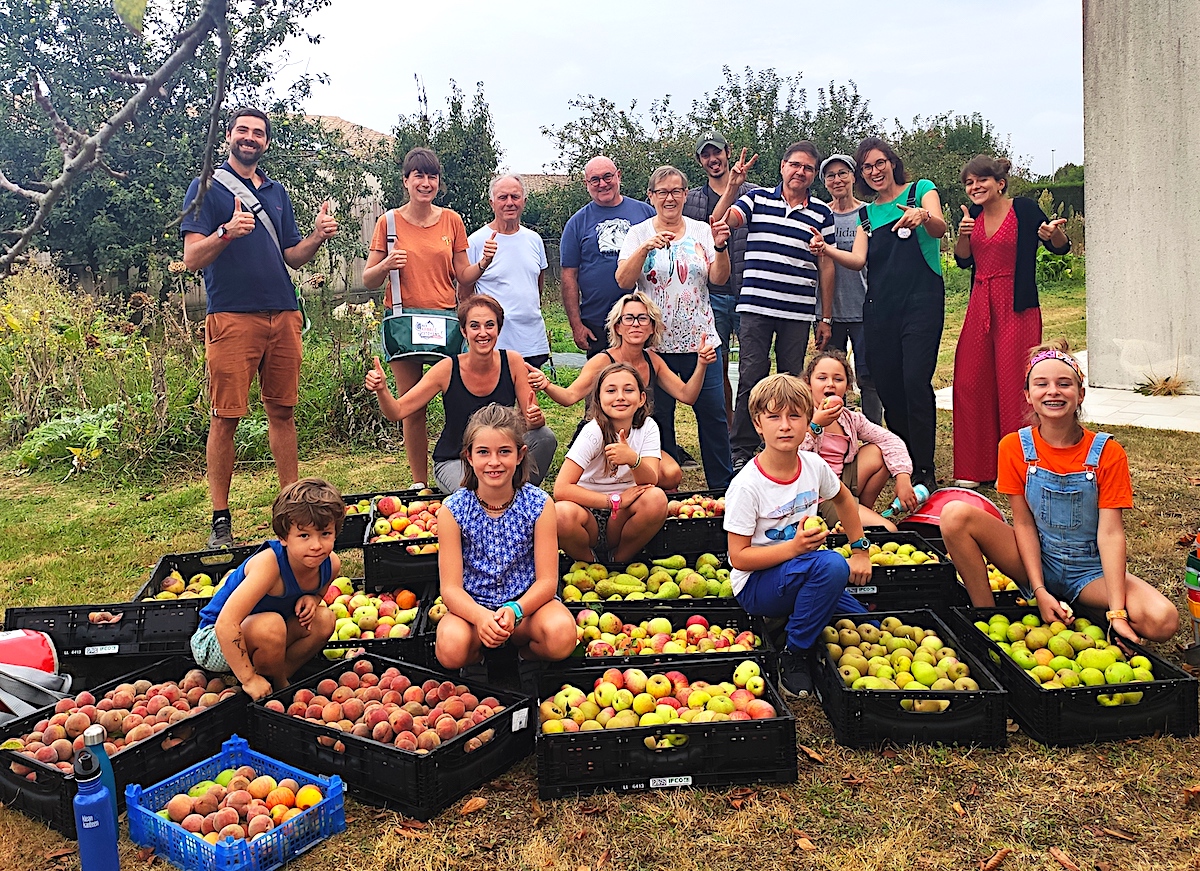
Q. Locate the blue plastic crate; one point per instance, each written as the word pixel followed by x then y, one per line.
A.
pixel 270 850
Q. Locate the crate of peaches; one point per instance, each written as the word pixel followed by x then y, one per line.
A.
pixel 157 720
pixel 397 734
pixel 236 811
pixel 388 623
pixel 401 541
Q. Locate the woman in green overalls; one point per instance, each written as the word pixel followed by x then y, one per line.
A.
pixel 904 311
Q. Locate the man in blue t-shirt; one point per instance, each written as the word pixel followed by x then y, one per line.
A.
pixel 253 323
pixel 588 253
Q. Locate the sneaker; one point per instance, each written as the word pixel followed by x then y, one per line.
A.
pixel 739 463
pixel 686 460
pixel 222 534
pixel 795 673
pixel 965 483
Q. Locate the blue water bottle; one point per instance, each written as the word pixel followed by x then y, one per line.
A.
pixel 93 739
pixel 95 823
pixel 919 490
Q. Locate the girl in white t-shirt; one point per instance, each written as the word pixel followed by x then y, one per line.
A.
pixel 609 504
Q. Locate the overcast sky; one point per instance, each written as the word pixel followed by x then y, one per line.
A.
pixel 1017 62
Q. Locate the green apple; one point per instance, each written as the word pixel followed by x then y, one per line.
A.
pixel 746 670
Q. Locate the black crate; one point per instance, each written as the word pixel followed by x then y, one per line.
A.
pixel 418 785
pixel 417 647
pixel 716 754
pixel 49 797
pixel 1066 717
pixel 354 529
pixel 388 564
pixel 164 627
pixel 904 587
pixel 730 615
pixel 565 563
pixel 687 536
pixel 1003 598
pixel 212 562
pixel 862 718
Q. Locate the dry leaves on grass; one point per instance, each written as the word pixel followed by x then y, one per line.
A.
pixel 1063 859
pixel 411 824
pixel 1191 796
pixel 812 754
pixel 539 815
pixel 994 862
pixel 146 854
pixel 1119 834
pixel 60 853
pixel 958 809
pixel 411 834
pixel 852 780
pixel 472 805
pixel 740 796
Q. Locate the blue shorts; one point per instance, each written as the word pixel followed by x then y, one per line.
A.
pixel 725 318
pixel 1066 570
pixel 206 650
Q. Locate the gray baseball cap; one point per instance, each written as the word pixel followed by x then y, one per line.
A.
pixel 843 158
pixel 710 137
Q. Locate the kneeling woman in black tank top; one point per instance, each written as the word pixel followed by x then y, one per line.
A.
pixel 634 324
pixel 481 376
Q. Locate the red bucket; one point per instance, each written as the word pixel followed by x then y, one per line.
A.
pixel 930 511
pixel 30 649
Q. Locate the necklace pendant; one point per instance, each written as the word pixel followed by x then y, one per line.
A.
pixel 904 232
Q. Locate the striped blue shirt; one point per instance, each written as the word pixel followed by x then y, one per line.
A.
pixel 780 277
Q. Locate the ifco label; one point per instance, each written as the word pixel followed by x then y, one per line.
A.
pixel 680 780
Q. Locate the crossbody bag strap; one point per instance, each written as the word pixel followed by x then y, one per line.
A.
pixel 864 219
pixel 912 195
pixel 238 188
pixel 394 274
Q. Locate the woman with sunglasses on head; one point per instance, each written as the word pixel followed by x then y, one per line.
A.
pixel 904 312
pixel 634 327
pixel 671 258
pixel 998 241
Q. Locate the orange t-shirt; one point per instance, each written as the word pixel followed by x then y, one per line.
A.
pixel 427 280
pixel 1116 487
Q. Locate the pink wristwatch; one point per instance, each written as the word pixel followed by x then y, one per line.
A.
pixel 614 499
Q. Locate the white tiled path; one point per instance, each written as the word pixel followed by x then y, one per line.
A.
pixel 1125 407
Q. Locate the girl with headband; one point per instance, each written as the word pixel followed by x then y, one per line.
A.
pixel 1067 487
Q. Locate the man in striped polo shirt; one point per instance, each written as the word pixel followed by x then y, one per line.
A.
pixel 781 279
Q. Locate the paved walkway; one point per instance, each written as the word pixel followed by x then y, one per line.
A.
pixel 1102 405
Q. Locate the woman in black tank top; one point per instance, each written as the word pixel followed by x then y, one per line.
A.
pixel 481 376
pixel 634 325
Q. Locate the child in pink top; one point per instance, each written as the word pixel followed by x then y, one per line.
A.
pixel 835 433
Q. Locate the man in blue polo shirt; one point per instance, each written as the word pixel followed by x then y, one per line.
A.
pixel 781 279
pixel 253 323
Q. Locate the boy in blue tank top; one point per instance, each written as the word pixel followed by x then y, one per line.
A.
pixel 267 619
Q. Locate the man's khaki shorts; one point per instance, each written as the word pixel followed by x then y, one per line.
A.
pixel 238 345
pixel 850 478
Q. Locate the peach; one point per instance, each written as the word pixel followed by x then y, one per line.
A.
pixel 469 700
pixel 172 692
pixel 140 733
pixel 400 682
pixel 46 755
pixel 65 706
pixel 104 705
pixel 129 722
pixel 429 685
pixel 51 734
pixel 391 697
pixel 371 694
pixel 352 709
pixel 237 782
pixel 342 694
pixel 446 727
pixel 208 700
pixel 194 695
pixel 193 823
pixel 401 720
pixel 206 804
pixel 194 678
pixel 428 740
pixel 274 705
pixel 76 724
pixel 259 824
pixel 472 745
pixel 368 680
pixel 490 701
pixel 382 732
pixel 289 783
pixel 237 801
pixel 405 741
pixel 466 723
pixel 85 698
pixel 416 709
pixel 207 826
pixel 349 679
pixel 314 711
pixel 138 687
pixel 433 696
pixel 180 807
pixel 295 709
pixel 327 687
pixel 280 795
pixel 90 711
pixel 454 707
pixel 215 685
pixel 110 720
pixel 487 735
pixel 64 749
pixel 305 696
pixel 375 715
pixel 414 694
pixel 231 831
pixel 363 666
pixel 58 719
pixel 331 713
pixel 361 730
pixel 246 771
pixel 77 744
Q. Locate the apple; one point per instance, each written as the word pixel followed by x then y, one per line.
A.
pixel 745 671
pixel 659 686
pixel 382 526
pixel 756 685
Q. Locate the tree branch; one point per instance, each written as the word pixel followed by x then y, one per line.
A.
pixel 84 156
pixel 214 120
pixel 18 190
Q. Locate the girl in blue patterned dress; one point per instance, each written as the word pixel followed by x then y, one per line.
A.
pixel 498 554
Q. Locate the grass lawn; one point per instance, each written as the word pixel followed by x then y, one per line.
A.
pixel 901 808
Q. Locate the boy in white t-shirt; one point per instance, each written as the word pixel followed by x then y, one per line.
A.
pixel 778 570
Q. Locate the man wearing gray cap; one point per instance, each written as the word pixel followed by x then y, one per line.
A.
pixel 712 153
pixel 850 287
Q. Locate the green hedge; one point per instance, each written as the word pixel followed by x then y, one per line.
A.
pixel 1065 195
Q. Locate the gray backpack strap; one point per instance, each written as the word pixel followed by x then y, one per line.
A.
pixel 238 188
pixel 864 218
pixel 394 274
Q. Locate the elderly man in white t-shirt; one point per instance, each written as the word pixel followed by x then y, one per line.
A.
pixel 517 273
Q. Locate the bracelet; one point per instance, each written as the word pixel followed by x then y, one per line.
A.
pixel 1035 590
pixel 518 614
pixel 1117 614
pixel 636 463
pixel 720 247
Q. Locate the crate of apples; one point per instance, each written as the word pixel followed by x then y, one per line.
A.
pixel 694 522
pixel 606 634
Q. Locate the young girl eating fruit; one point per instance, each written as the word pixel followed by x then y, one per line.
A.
pixel 1067 487
pixel 609 501
pixel 835 433
pixel 498 555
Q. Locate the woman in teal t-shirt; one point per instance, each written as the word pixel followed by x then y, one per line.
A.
pixel 897 241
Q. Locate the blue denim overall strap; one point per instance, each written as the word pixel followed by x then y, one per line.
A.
pixel 1066 511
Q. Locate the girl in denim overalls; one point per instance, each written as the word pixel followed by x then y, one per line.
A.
pixel 1067 487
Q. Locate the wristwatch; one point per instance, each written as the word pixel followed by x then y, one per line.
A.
pixel 222 232
pixel 862 544
pixel 720 247
pixel 816 428
pixel 614 499
pixel 827 321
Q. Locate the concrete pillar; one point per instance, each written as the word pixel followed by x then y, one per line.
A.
pixel 1141 139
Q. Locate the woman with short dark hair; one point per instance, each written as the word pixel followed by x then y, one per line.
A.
pixel 998 240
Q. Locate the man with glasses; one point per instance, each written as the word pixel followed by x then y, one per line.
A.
pixel 588 253
pixel 850 287
pixel 712 153
pixel 781 278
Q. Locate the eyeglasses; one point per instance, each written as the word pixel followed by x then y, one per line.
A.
pixel 666 193
pixel 801 167
pixel 635 320
pixel 878 166
pixel 598 180
pixel 840 174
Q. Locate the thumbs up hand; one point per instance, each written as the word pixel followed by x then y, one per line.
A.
pixel 537 378
pixel 619 453
pixel 376 378
pixel 326 224
pixel 707 353
pixel 967 225
pixel 241 223
pixel 534 419
pixel 489 253
pixel 1045 231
